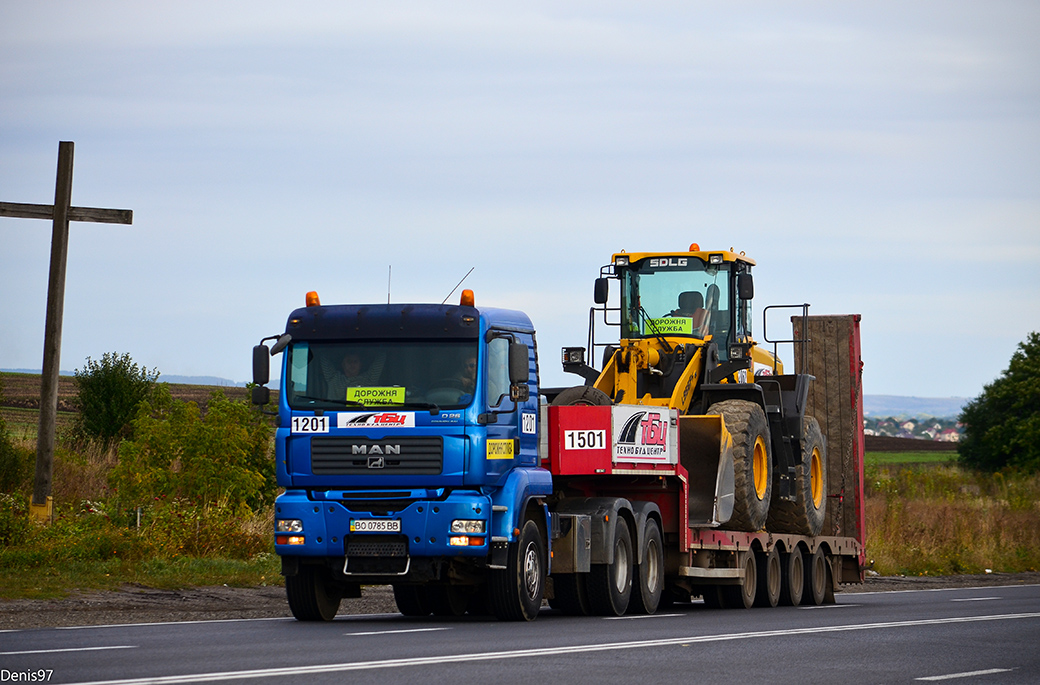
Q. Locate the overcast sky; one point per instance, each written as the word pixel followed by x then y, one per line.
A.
pixel 875 158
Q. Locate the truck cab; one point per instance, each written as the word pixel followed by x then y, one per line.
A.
pixel 407 447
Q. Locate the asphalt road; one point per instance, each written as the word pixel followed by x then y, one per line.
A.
pixel 983 635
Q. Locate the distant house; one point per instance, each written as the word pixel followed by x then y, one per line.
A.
pixel 949 435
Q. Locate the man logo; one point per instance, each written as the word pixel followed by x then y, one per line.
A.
pixel 376 463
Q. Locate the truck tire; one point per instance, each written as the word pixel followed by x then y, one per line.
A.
pixel 713 597
pixel 312 595
pixel 412 600
pixel 743 595
pixel 752 463
pixel 805 515
pixel 516 592
pixel 583 395
pixel 646 592
pixel 792 584
pixel 570 595
pixel 448 600
pixel 817 578
pixel 770 577
pixel 610 585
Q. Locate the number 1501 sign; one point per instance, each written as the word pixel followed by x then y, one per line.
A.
pixel 585 440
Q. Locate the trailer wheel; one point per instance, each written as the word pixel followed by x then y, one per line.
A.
pixel 312 595
pixel 713 597
pixel 448 600
pixel 743 595
pixel 412 600
pixel 752 462
pixel 516 592
pixel 770 578
pixel 570 595
pixel 646 593
pixel 793 577
pixel 817 578
pixel 805 515
pixel 610 585
pixel 583 395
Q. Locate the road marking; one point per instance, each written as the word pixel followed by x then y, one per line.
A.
pixel 974 599
pixel 966 674
pixel 299 671
pixel 70 649
pixel 944 589
pixel 830 606
pixel 176 623
pixel 629 618
pixel 391 632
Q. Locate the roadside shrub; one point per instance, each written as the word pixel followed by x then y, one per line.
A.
pixel 14 518
pixel 109 392
pixel 1002 425
pixel 16 462
pixel 175 452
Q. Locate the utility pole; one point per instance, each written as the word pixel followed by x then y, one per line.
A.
pixel 61 212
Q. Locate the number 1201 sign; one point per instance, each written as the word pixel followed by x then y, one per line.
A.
pixel 585 440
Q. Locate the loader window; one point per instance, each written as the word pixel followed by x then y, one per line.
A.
pixel 676 297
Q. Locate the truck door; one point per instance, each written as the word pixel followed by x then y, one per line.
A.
pixel 511 429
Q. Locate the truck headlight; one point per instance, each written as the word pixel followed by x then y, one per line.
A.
pixel 467 526
pixel 288 526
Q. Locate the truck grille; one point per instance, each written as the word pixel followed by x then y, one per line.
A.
pixel 348 455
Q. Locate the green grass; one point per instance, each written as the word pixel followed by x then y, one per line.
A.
pixel 56 580
pixel 883 458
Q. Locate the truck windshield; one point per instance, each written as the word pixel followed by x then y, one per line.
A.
pixel 678 296
pixel 420 374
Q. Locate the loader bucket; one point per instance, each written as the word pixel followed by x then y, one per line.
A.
pixel 706 452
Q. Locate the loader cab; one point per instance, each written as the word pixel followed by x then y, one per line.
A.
pixel 695 295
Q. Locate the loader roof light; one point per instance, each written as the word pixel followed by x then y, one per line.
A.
pixel 467 298
pixel 621 260
pixel 694 247
pixel 715 258
pixel 312 299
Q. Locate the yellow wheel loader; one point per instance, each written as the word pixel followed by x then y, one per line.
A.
pixel 753 457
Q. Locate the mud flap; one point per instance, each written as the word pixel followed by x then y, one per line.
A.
pixel 706 452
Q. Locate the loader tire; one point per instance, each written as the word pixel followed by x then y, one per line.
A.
pixel 805 515
pixel 752 463
pixel 582 395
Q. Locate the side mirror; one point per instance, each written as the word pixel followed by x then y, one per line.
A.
pixel 261 395
pixel 600 291
pixel 283 341
pixel 519 364
pixel 261 364
pixel 745 286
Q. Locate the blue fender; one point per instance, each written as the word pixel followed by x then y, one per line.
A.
pixel 509 501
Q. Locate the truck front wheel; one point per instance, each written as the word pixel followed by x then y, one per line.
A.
pixel 516 592
pixel 312 596
pixel 610 585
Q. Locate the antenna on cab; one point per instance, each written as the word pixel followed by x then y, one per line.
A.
pixel 458 284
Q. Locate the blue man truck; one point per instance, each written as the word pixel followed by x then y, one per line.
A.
pixel 417 448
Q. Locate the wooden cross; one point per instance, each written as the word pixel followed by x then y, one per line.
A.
pixel 61 212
